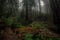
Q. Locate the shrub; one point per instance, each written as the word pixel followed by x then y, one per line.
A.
pixel 38 25
pixel 28 36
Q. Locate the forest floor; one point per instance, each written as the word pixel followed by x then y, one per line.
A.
pixel 28 33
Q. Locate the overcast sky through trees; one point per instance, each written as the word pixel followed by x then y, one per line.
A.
pixel 44 5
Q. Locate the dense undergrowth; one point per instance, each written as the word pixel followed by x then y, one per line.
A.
pixel 32 31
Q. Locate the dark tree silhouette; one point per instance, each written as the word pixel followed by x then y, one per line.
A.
pixel 8 8
pixel 55 5
pixel 28 5
pixel 40 8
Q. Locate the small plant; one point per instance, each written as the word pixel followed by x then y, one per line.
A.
pixel 28 36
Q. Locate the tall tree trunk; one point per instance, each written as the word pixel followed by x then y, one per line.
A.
pixel 55 8
pixel 27 10
pixel 40 8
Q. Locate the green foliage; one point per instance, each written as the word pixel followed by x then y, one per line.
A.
pixel 19 26
pixel 8 22
pixel 40 37
pixel 38 25
pixel 36 37
pixel 28 36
